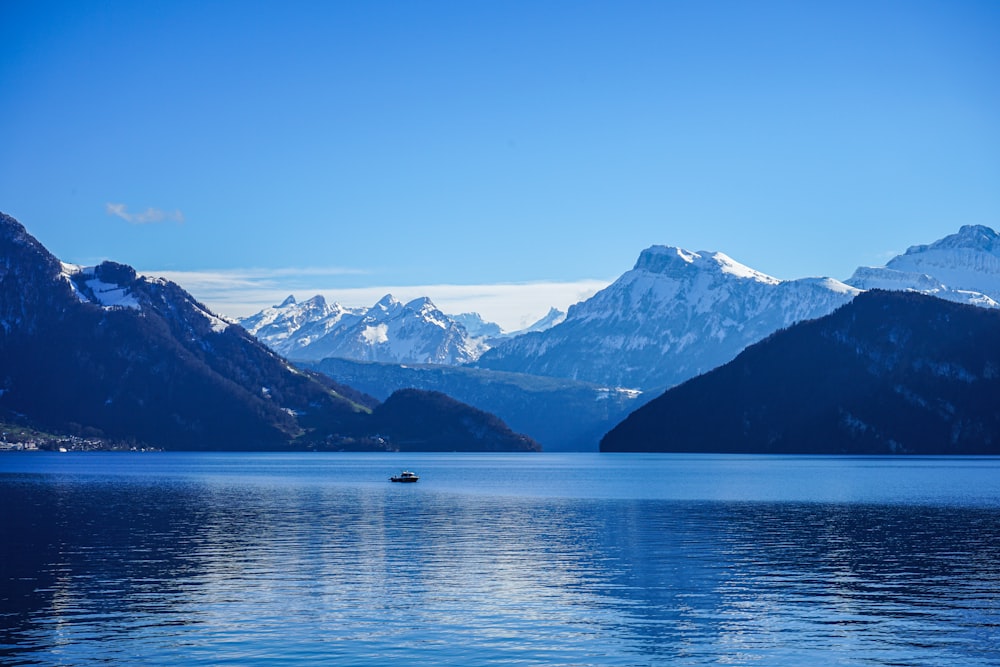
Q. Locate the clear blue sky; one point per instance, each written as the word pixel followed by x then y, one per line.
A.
pixel 251 149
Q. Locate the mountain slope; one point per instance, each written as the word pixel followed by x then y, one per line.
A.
pixel 962 267
pixel 674 315
pixel 889 373
pixel 103 352
pixel 416 420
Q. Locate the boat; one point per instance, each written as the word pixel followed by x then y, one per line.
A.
pixel 405 476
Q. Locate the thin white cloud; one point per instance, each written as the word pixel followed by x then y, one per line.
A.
pixel 238 293
pixel 150 215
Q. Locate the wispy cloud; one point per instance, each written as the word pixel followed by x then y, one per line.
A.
pixel 238 293
pixel 150 215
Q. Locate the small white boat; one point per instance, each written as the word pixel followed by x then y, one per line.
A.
pixel 405 476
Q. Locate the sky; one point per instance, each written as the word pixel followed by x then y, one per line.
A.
pixel 497 156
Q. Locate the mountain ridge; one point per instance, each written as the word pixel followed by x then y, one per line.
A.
pixel 388 331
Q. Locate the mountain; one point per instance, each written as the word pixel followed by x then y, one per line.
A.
pixel 549 320
pixel 889 373
pixel 389 331
pixel 562 415
pixel 103 352
pixel 674 315
pixel 962 267
pixel 477 326
pixel 291 326
pixel 416 420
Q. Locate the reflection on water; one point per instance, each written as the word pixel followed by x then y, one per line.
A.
pixel 138 569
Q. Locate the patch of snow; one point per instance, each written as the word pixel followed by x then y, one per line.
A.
pixel 374 335
pixel 109 295
pixel 218 324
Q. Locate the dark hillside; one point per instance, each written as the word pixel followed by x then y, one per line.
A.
pixel 413 421
pixel 889 373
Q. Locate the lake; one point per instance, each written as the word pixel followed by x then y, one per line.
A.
pixel 528 559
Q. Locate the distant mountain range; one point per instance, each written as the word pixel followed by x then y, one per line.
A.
pixel 675 315
pixel 416 332
pixel 889 373
pixel 102 352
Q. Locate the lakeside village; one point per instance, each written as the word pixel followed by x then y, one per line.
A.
pixel 25 440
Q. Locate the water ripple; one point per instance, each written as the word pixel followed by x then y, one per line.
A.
pixel 238 569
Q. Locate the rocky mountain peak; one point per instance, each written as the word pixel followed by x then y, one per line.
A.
pixel 973 237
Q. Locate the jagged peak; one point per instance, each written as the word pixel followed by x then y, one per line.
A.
pixel 289 301
pixel 317 301
pixel 420 303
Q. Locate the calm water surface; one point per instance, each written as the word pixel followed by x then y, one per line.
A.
pixel 551 559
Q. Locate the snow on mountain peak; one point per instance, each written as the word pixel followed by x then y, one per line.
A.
pixel 963 267
pixel 389 331
pixel 387 304
pixel 675 314
pixel 678 262
pixel 289 301
pixel 420 303
pixel 664 259
pixel 317 301
pixel 973 237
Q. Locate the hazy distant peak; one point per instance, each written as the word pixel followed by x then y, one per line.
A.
pixel 476 326
pixel 289 301
pixel 549 320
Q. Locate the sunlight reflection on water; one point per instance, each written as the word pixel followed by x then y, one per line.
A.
pixel 229 559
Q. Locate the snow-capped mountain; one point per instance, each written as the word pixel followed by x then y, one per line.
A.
pixel 291 326
pixel 390 331
pixel 674 315
pixel 962 267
